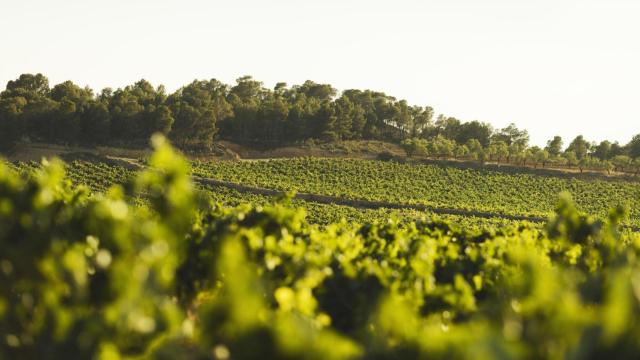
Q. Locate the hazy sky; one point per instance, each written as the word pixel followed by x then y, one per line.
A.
pixel 562 67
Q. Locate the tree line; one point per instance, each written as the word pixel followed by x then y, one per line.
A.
pixel 196 114
pixel 247 112
pixel 579 154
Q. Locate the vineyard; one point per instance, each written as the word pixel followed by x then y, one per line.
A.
pixel 405 185
pixel 99 176
pixel 437 186
pixel 103 262
pixel 325 214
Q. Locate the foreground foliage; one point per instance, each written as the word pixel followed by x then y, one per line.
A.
pixel 95 276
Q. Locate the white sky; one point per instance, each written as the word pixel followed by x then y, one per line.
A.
pixel 564 67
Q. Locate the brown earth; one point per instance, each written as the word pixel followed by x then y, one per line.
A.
pixel 354 149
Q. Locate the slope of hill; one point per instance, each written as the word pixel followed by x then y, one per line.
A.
pixel 155 270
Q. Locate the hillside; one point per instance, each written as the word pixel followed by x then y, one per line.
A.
pixel 352 149
pixel 509 192
pixel 435 187
pixel 189 269
pixel 223 150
